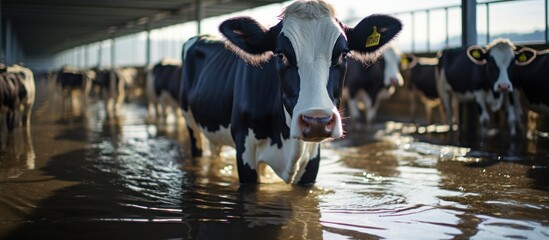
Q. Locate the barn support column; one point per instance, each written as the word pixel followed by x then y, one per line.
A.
pixel 547 22
pixel 2 50
pixel 113 52
pixel 77 57
pixel 9 43
pixel 148 47
pixel 199 16
pixel 86 55
pixel 468 116
pixel 99 53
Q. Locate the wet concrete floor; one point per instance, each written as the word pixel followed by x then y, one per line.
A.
pixel 85 176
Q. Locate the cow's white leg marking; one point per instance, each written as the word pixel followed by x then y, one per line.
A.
pixel 484 116
pixel 444 94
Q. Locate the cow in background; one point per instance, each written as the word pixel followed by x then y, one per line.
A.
pixel 133 82
pixel 279 109
pixel 531 77
pixel 420 79
pixel 480 74
pixel 371 83
pixel 74 85
pixel 15 96
pixel 162 89
pixel 24 110
pixel 110 85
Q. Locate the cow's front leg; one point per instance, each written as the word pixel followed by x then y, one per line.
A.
pixel 245 158
pixel 353 109
pixel 482 112
pixel 195 138
pixel 514 112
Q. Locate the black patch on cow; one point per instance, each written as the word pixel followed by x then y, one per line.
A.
pixel 208 83
pixel 338 69
pixel 287 69
pixel 104 77
pixel 70 80
pixel 422 77
pixel 461 73
pixel 368 78
pixel 196 147
pixel 532 80
pixel 167 78
pixel 311 170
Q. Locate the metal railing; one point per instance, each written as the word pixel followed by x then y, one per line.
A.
pixel 484 37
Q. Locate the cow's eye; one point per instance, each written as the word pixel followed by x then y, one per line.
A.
pixel 344 55
pixel 281 57
pixel 342 58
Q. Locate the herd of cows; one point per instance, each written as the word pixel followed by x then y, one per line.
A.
pixel 274 94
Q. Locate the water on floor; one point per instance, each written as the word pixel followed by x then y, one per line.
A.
pixel 82 175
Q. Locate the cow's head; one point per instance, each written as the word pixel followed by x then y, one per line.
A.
pixel 498 56
pixel 311 47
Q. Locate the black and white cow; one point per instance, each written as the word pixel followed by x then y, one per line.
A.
pixel 16 98
pixel 111 85
pixel 24 110
pixel 372 83
pixel 163 84
pixel 480 74
pixel 531 77
pixel 420 79
pixel 74 85
pixel 276 96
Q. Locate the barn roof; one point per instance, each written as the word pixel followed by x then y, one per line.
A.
pixel 44 27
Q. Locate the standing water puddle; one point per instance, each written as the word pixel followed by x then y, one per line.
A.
pixel 90 177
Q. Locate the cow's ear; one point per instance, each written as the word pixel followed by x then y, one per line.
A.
pixel 250 36
pixel 477 54
pixel 407 61
pixel 525 56
pixel 372 33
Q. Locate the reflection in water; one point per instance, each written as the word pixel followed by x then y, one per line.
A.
pixel 18 155
pixel 93 177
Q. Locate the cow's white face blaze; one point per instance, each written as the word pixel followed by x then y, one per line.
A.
pixel 501 57
pixel 306 57
pixel 391 72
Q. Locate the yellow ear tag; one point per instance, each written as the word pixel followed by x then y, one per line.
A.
pixel 522 57
pixel 475 54
pixel 373 39
pixel 404 61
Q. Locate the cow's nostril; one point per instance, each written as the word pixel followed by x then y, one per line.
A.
pixel 317 120
pixel 504 87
